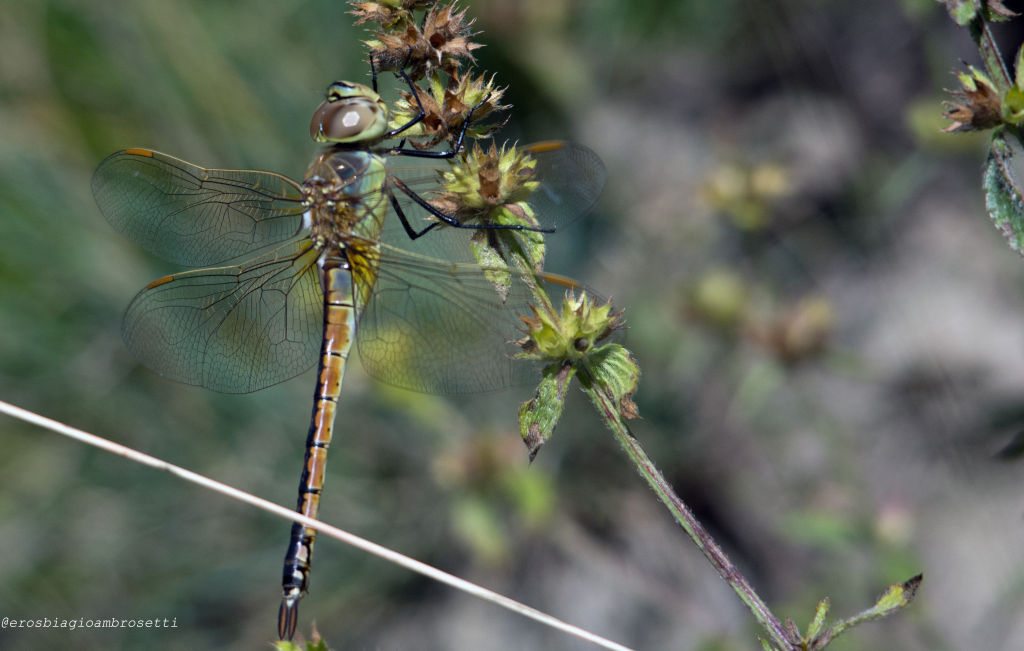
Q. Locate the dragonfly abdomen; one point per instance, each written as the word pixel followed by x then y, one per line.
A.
pixel 339 326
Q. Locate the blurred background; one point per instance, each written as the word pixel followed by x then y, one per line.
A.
pixel 829 331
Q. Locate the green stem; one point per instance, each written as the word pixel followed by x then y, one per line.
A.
pixel 528 274
pixel 607 406
pixel 994 63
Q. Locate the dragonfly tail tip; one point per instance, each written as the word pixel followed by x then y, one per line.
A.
pixel 287 618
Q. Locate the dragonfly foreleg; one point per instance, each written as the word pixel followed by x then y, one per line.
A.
pixel 445 218
pixel 398 151
pixel 415 93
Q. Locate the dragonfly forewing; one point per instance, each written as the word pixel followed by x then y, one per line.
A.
pixel 234 329
pixel 194 216
pixel 569 179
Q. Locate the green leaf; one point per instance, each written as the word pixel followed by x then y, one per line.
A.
pixel 897 597
pixel 1018 69
pixel 961 11
pixel 539 415
pixel 531 243
pixel 819 619
pixel 490 258
pixel 1004 187
pixel 611 368
pixel 495 250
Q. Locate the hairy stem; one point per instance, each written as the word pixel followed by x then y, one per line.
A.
pixel 981 32
pixel 607 406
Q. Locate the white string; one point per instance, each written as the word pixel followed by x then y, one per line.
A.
pixel 323 529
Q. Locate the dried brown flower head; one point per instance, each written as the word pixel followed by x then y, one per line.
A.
pixel 387 12
pixel 976 105
pixel 441 43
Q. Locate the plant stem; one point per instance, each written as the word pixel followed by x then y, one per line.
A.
pixel 981 32
pixel 607 405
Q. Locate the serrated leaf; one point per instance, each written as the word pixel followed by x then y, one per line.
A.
pixel 539 415
pixel 961 11
pixel 530 242
pixel 999 12
pixel 494 265
pixel 895 598
pixel 1004 187
pixel 614 370
pixel 819 619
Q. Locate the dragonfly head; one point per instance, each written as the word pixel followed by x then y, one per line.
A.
pixel 352 113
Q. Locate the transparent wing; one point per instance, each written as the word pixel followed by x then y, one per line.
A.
pixel 571 178
pixel 440 327
pixel 195 216
pixel 233 329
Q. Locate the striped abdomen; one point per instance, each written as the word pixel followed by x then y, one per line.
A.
pixel 339 328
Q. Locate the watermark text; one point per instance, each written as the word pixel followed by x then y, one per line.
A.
pixel 87 622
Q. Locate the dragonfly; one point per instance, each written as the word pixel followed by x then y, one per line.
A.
pixel 284 275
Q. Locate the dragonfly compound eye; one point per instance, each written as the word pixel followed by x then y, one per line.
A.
pixel 352 113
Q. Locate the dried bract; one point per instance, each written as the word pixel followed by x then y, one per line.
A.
pixel 976 105
pixel 441 44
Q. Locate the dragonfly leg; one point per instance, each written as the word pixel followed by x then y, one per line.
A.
pixel 420 114
pixel 409 230
pixel 437 154
pixel 445 218
pixel 416 95
pixel 373 74
pixel 412 88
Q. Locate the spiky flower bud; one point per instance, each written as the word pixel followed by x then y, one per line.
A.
pixel 570 335
pixel 490 185
pixel 566 343
pixel 491 188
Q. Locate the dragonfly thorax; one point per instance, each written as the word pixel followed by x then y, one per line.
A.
pixel 344 190
pixel 352 114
